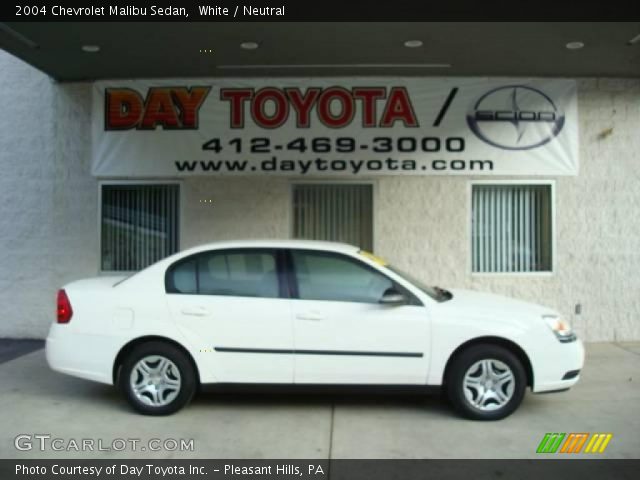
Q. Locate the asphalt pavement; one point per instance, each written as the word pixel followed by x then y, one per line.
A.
pixel 37 401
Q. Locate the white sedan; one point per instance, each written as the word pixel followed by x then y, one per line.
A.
pixel 304 314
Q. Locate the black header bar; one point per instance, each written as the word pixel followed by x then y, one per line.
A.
pixel 314 11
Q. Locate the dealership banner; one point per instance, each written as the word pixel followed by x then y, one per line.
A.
pixel 334 126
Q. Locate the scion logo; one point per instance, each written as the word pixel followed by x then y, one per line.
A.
pixel 515 117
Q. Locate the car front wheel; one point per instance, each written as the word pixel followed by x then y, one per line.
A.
pixel 157 379
pixel 486 382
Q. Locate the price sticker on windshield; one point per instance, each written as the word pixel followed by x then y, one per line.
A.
pixel 375 258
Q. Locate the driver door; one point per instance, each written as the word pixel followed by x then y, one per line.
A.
pixel 343 335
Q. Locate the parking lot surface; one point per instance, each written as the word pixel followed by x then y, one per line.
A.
pixel 37 401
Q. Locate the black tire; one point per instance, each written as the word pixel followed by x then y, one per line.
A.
pixel 182 394
pixel 461 365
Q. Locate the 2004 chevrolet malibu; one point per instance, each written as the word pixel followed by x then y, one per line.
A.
pixel 304 313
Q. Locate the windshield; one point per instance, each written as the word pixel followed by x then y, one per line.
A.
pixel 437 293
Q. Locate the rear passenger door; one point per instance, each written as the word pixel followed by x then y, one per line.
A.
pixel 233 308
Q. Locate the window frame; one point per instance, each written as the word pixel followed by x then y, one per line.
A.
pixel 116 182
pixel 374 196
pixel 514 182
pixel 292 279
pixel 279 256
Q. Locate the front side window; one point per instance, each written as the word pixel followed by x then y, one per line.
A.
pixel 228 273
pixel 511 228
pixel 327 276
pixel 139 225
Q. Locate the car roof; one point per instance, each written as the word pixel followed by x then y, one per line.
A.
pixel 271 243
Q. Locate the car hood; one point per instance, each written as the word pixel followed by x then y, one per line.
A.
pixel 489 303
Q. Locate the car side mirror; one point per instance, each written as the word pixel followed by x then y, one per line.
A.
pixel 393 297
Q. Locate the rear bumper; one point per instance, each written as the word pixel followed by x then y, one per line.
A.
pixel 80 355
pixel 559 368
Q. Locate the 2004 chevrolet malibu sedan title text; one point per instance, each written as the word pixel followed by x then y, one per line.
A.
pixel 304 314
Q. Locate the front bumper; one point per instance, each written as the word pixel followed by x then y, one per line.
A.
pixel 558 367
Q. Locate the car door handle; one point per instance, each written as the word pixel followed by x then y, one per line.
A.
pixel 312 316
pixel 195 311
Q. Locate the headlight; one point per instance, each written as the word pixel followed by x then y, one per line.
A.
pixel 560 328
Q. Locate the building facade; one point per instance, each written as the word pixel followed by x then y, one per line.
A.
pixel 581 256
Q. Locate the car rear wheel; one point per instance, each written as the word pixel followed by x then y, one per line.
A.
pixel 157 379
pixel 486 382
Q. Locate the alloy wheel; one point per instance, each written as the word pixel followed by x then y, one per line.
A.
pixel 488 384
pixel 155 380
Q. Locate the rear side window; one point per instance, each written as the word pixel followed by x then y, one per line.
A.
pixel 240 273
pixel 184 277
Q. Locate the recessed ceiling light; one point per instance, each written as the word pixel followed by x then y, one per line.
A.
pixel 90 48
pixel 413 43
pixel 574 45
pixel 249 45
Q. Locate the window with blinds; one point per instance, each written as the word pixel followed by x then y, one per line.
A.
pixel 511 228
pixel 139 225
pixel 334 212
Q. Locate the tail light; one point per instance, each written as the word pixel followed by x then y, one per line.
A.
pixel 64 310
